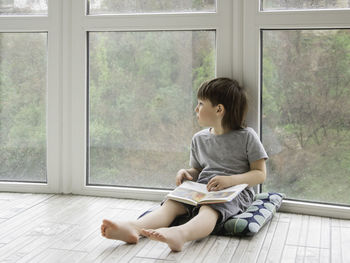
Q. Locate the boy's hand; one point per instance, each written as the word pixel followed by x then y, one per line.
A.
pixel 181 176
pixel 218 183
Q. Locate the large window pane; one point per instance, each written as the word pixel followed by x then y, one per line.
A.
pixel 303 4
pixel 142 95
pixel 23 70
pixel 23 7
pixel 97 7
pixel 306 120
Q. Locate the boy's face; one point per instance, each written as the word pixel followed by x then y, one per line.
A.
pixel 206 113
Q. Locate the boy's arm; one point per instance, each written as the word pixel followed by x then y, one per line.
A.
pixel 255 176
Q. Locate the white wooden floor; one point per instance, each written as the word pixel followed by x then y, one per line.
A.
pixel 66 228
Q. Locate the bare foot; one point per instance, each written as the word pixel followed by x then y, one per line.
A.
pixel 172 236
pixel 124 231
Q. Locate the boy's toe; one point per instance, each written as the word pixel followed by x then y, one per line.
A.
pixel 145 232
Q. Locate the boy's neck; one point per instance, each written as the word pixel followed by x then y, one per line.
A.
pixel 218 130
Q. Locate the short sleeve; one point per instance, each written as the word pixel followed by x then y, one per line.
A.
pixel 255 149
pixel 193 156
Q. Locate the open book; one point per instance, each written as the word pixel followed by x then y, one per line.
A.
pixel 195 193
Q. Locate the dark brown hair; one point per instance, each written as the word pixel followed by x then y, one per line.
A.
pixel 229 93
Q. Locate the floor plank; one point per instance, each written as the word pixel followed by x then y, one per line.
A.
pixel 325 233
pixel 336 244
pixel 193 251
pixel 66 228
pixel 268 239
pixel 255 245
pixel 230 250
pixel 240 250
pixel 314 232
pixel 17 204
pixel 218 248
pixel 289 254
pixel 345 238
pixel 278 243
pixel 59 255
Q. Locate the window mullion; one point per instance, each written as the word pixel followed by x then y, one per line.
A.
pixel 304 19
pixel 224 39
pixel 54 97
pixel 151 22
pixel 23 24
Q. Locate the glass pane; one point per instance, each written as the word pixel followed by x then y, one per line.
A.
pixel 306 120
pixel 142 95
pixel 303 4
pixel 23 7
pixel 23 70
pixel 97 7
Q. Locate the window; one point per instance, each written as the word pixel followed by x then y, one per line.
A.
pixel 30 96
pixel 98 96
pixel 305 91
pixel 306 105
pixel 135 80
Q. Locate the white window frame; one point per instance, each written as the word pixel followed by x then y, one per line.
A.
pixel 256 20
pixel 48 24
pixel 221 21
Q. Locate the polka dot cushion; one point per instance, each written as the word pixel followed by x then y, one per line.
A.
pixel 252 220
pixel 255 217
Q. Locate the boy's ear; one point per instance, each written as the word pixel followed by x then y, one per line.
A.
pixel 220 108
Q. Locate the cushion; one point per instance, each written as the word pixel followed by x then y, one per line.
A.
pixel 251 221
pixel 255 217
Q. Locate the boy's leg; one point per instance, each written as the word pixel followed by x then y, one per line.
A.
pixel 198 227
pixel 129 231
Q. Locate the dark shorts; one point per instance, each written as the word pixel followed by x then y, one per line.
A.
pixel 226 210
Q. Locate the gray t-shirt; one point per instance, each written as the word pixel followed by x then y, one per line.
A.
pixel 226 154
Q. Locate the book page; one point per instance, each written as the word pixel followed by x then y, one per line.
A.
pixel 225 194
pixel 211 196
pixel 190 191
pixel 188 194
pixel 194 186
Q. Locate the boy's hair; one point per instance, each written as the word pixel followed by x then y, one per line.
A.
pixel 229 93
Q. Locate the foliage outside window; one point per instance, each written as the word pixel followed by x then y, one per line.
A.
pixel 142 95
pixel 97 7
pixel 23 106
pixel 23 7
pixel 270 5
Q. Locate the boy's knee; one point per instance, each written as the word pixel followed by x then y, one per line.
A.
pixel 177 207
pixel 173 203
pixel 210 210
